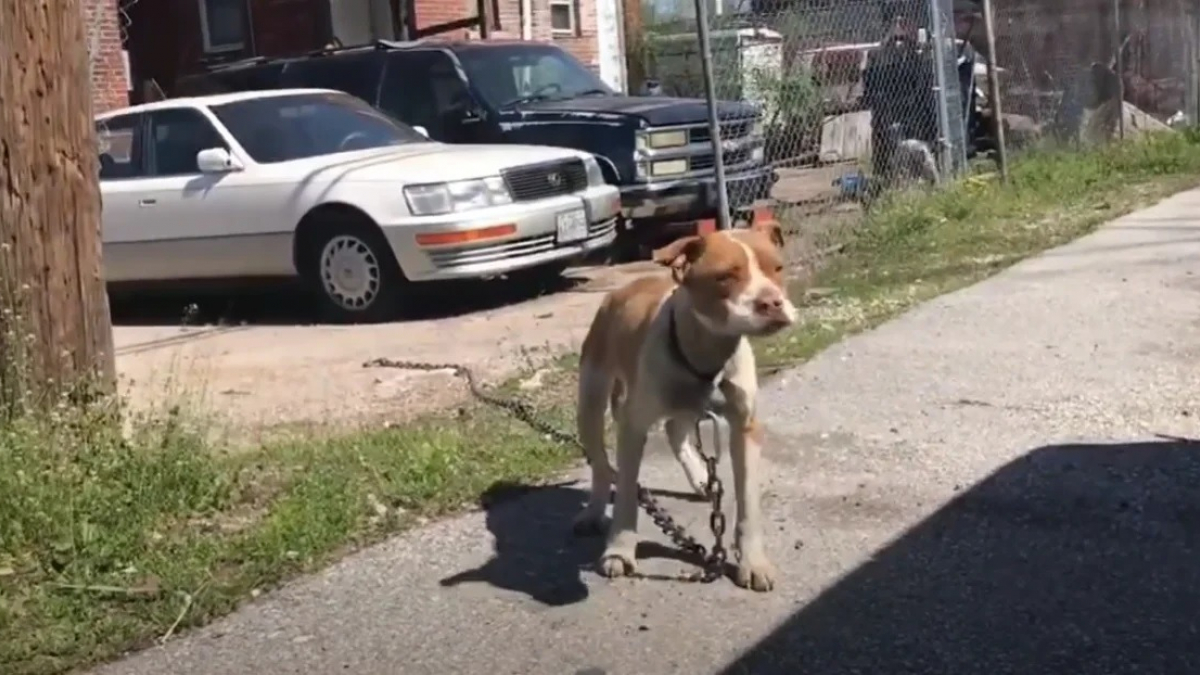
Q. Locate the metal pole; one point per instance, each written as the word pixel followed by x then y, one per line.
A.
pixel 939 65
pixel 1120 67
pixel 1190 106
pixel 989 32
pixel 714 125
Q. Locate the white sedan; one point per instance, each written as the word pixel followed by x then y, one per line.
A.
pixel 317 185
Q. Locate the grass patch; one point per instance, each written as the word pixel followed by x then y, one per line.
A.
pixel 918 246
pixel 110 541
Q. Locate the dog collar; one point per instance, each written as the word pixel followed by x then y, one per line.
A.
pixel 677 351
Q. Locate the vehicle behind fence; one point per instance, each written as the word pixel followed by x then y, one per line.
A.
pixel 861 97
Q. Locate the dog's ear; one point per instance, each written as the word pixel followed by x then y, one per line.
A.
pixel 679 254
pixel 770 228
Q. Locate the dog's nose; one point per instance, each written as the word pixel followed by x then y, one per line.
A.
pixel 765 305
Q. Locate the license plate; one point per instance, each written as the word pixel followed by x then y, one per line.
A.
pixel 571 226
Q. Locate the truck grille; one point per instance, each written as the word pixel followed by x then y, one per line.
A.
pixel 729 130
pixel 551 179
pixel 708 161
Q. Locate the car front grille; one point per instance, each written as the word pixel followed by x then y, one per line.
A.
pixel 514 248
pixel 550 179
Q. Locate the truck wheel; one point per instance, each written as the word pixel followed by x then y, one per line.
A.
pixel 351 267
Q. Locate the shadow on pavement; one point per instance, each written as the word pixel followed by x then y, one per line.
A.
pixel 536 552
pixel 1074 559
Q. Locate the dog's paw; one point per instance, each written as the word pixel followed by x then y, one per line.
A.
pixel 588 524
pixel 758 575
pixel 615 564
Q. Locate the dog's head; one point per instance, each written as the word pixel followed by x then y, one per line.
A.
pixel 734 278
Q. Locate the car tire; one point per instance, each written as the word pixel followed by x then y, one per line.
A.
pixel 350 267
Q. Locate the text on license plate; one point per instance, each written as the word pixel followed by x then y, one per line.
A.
pixel 571 226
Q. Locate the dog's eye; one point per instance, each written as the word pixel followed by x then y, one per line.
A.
pixel 727 276
pixel 779 269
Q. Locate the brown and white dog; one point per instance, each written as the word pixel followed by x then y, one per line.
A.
pixel 657 350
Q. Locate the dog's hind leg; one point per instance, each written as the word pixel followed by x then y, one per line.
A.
pixel 596 386
pixel 678 432
pixel 633 422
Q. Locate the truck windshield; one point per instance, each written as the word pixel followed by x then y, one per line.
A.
pixel 295 126
pixel 508 75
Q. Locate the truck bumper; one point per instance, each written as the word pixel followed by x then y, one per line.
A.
pixel 694 199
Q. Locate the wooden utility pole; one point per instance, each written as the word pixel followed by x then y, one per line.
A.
pixel 55 329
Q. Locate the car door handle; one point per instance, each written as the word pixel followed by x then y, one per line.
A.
pixel 147 202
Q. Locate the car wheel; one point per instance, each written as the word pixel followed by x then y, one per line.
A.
pixel 354 273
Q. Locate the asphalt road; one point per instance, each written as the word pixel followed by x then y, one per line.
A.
pixel 975 487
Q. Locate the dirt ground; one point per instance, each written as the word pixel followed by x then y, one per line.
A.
pixel 261 375
pixel 269 368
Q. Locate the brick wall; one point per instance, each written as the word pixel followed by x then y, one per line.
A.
pixel 165 41
pixel 582 44
pixel 103 35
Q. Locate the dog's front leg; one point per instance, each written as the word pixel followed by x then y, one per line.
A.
pixel 755 570
pixel 619 557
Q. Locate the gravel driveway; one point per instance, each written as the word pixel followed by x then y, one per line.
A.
pixel 976 487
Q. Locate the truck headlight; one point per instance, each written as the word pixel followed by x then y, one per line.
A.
pixel 435 199
pixel 668 167
pixel 657 140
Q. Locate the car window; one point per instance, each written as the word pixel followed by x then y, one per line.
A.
pixel 506 73
pixel 119 143
pixel 295 126
pixel 424 89
pixel 355 74
pixel 177 135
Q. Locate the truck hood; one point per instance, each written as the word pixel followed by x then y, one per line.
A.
pixel 655 111
pixel 433 162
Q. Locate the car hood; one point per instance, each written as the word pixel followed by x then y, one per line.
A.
pixel 653 110
pixel 435 162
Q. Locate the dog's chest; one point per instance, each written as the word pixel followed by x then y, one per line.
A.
pixel 688 394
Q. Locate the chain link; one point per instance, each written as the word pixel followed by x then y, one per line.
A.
pixel 713 562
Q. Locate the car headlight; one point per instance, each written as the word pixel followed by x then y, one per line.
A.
pixel 435 199
pixel 756 129
pixel 657 140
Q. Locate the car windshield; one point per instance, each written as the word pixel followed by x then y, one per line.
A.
pixel 508 75
pixel 294 126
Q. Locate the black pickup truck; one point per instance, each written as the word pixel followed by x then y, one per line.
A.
pixel 656 149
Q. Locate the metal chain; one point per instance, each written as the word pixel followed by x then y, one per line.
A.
pixel 713 562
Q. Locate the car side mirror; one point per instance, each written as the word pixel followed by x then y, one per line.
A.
pixel 217 160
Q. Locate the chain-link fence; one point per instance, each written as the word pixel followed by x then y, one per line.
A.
pixel 1065 65
pixel 861 97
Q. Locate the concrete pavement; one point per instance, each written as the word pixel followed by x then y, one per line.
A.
pixel 975 487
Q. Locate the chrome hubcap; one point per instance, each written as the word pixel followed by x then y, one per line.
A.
pixel 350 272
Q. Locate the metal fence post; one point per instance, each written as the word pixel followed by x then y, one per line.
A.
pixel 714 124
pixel 1120 68
pixel 945 160
pixel 1192 58
pixel 989 31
